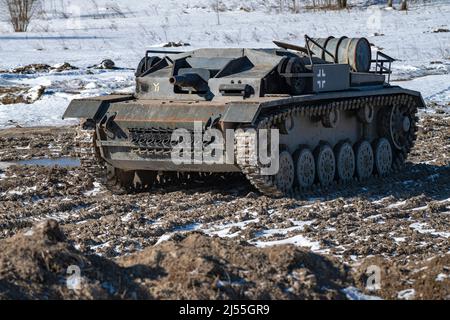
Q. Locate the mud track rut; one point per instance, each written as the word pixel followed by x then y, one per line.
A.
pixel 402 221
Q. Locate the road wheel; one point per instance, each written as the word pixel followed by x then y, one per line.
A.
pixel 325 164
pixel 345 161
pixel 383 156
pixel 305 167
pixel 364 159
pixel 284 179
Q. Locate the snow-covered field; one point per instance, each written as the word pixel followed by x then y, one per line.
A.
pixel 89 32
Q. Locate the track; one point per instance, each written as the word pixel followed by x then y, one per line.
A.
pixel 121 181
pixel 245 139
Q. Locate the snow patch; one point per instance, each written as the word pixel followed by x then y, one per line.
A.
pixel 297 240
pixel 94 191
pixel 353 293
pixel 223 230
pixel 407 294
pixel 422 228
pixel 185 228
pixel 298 225
pixel 442 277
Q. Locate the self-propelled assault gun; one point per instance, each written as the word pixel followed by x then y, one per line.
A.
pixel 336 114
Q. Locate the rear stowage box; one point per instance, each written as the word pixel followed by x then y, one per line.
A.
pixel 331 77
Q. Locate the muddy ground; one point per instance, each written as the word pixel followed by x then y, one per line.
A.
pixel 222 239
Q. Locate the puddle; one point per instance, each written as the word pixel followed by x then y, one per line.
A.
pixel 66 162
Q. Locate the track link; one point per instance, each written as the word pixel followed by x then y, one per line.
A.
pixel 119 181
pixel 86 151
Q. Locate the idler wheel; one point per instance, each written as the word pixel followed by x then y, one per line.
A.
pixel 395 124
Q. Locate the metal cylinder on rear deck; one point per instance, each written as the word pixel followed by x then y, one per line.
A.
pixel 354 51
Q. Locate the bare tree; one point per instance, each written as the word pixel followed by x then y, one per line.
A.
pixel 295 6
pixel 342 4
pixel 404 5
pixel 281 6
pixel 20 13
pixel 389 3
pixel 218 11
pixel 324 4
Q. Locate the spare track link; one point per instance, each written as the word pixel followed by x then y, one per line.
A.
pixel 266 184
pixel 91 163
pixel 85 151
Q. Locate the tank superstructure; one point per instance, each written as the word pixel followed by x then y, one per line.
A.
pixel 335 116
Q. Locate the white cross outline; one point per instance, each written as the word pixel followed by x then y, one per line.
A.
pixel 321 83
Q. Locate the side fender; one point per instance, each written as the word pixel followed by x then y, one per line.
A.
pixel 93 108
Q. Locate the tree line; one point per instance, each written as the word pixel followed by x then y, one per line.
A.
pixel 20 12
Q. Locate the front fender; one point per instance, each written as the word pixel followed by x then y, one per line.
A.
pixel 94 107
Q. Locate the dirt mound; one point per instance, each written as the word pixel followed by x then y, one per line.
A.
pixel 428 279
pixel 28 95
pixel 35 264
pixel 200 267
pixel 41 67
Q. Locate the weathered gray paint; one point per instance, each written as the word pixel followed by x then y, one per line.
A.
pixel 160 106
pixel 331 77
pixel 92 108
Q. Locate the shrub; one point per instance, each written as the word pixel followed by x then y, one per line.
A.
pixel 20 13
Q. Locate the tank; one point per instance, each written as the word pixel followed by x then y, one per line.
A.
pixel 290 119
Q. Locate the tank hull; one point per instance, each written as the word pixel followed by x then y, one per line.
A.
pixel 132 142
